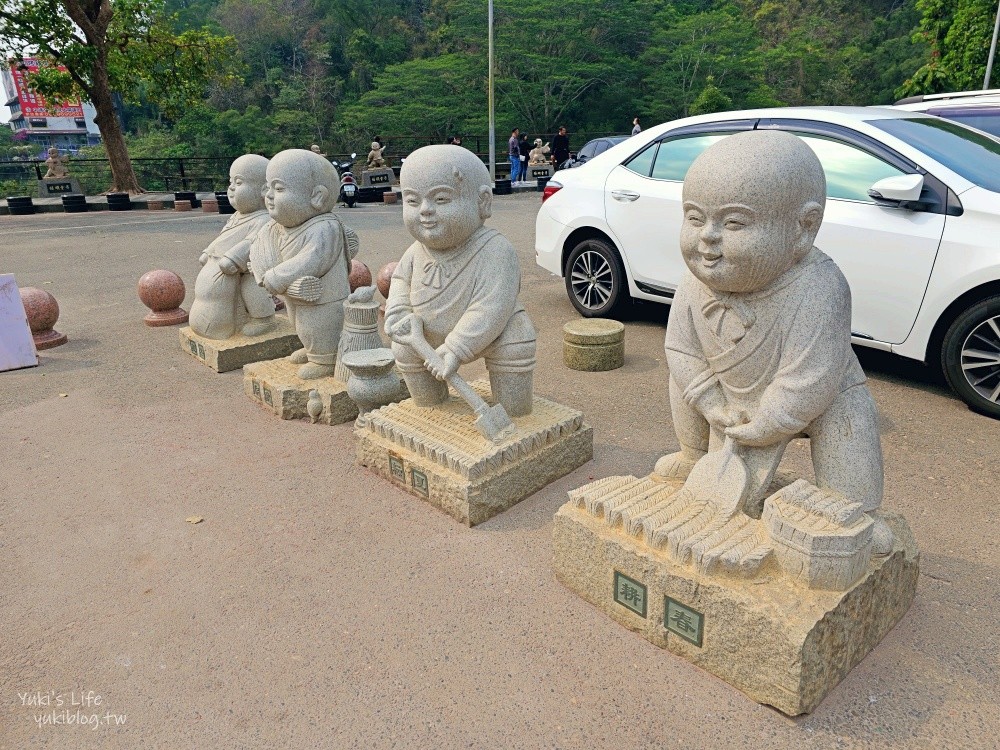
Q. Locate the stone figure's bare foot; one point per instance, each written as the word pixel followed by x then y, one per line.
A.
pixel 882 537
pixel 673 466
pixel 259 326
pixel 313 370
pixel 298 357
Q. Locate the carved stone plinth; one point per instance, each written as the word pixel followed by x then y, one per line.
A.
pixel 539 171
pixel 752 618
pixel 382 177
pixel 276 386
pixel 438 454
pixel 223 355
pixel 49 187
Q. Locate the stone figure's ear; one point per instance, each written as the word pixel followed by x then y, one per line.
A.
pixel 809 220
pixel 485 202
pixel 319 197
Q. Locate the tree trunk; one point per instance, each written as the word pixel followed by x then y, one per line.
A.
pixel 123 179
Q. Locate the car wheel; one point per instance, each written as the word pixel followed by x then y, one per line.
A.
pixel 595 280
pixel 970 356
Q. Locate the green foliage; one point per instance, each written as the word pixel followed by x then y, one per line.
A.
pixel 336 72
pixel 958 33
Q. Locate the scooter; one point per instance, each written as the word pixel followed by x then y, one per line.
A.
pixel 348 187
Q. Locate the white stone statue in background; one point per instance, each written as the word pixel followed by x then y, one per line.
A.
pixel 56 164
pixel 462 280
pixel 539 154
pixel 303 255
pixel 375 158
pixel 759 339
pixel 226 295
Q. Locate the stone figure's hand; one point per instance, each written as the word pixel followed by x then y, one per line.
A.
pixel 447 367
pixel 267 285
pixel 228 267
pixel 756 433
pixel 203 258
pixel 721 417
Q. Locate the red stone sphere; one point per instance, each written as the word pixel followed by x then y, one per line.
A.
pixel 360 276
pixel 385 278
pixel 161 290
pixel 41 309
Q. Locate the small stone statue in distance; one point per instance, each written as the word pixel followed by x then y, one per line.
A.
pixel 375 158
pixel 56 164
pixel 462 280
pixel 225 293
pixel 539 154
pixel 759 340
pixel 303 255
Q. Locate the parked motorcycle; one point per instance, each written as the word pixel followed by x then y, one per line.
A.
pixel 348 186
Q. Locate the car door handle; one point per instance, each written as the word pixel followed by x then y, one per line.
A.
pixel 624 196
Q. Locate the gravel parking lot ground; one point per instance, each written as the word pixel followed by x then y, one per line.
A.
pixel 319 607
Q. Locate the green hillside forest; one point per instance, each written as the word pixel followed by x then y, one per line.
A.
pixel 338 72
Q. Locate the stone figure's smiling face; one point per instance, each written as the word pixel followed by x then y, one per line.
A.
pixel 753 204
pixel 438 210
pixel 288 200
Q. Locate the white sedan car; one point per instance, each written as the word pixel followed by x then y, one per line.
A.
pixel 912 219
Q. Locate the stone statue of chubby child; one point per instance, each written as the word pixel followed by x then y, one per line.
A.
pixel 303 254
pixel 225 294
pixel 461 279
pixel 759 339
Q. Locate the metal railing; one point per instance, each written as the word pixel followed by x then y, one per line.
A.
pixel 210 173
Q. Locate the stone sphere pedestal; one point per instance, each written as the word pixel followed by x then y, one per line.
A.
pixel 360 275
pixel 42 312
pixel 162 292
pixel 383 280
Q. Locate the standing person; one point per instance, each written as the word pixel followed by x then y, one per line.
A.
pixel 636 127
pixel 514 153
pixel 560 147
pixel 457 140
pixel 525 148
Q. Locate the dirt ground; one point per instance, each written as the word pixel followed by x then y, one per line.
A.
pixel 317 606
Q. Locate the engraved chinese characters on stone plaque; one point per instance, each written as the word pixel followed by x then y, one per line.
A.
pixel 630 594
pixel 688 623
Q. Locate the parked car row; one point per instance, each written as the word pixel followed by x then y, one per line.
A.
pixel 912 219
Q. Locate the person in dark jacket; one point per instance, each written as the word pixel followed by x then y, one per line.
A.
pixel 560 147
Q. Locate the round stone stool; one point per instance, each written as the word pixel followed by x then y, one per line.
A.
pixel 42 312
pixel 594 344
pixel 162 292
pixel 360 275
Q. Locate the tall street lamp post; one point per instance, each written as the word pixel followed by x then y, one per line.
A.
pixel 493 140
pixel 993 50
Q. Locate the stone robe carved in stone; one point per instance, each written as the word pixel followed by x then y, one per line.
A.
pixel 317 248
pixel 782 354
pixel 222 302
pixel 467 300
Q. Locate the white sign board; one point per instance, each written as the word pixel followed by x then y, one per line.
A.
pixel 17 349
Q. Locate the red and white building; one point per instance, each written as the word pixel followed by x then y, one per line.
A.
pixel 67 126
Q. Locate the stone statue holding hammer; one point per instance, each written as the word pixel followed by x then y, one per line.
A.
pixel 461 280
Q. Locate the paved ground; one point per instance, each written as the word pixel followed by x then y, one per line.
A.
pixel 318 606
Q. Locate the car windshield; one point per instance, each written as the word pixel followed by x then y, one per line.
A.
pixel 986 119
pixel 974 156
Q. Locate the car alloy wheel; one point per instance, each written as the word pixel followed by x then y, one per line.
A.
pixel 970 356
pixel 594 278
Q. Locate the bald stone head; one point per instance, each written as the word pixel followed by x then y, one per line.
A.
pixel 300 185
pixel 247 177
pixel 753 203
pixel 447 195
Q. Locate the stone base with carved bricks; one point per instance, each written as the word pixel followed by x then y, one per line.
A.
pixel 276 386
pixel 438 454
pixel 223 355
pixel 739 599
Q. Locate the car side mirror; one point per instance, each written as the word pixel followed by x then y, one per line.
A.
pixel 902 191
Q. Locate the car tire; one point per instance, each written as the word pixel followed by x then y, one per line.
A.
pixel 595 279
pixel 970 356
